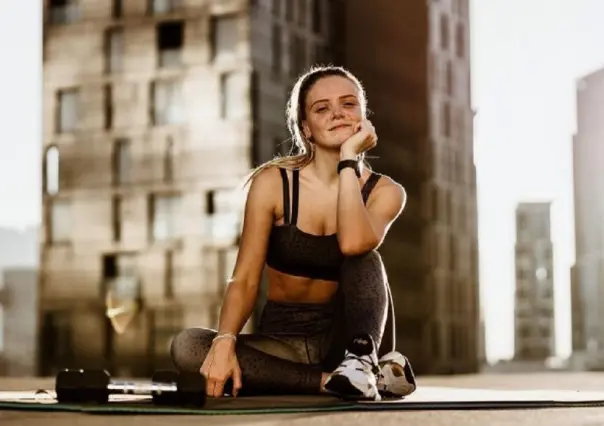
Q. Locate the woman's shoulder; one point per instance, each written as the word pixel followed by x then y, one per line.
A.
pixel 385 180
pixel 386 184
pixel 266 177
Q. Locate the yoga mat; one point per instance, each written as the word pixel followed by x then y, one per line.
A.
pixel 425 398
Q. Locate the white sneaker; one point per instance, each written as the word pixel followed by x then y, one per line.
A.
pixel 396 377
pixel 356 376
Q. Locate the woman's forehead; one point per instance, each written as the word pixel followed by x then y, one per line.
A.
pixel 332 87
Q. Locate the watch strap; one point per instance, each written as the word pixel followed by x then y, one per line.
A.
pixel 353 164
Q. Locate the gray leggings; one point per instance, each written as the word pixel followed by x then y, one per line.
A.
pixel 297 342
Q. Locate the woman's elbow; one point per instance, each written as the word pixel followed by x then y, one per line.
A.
pixel 358 246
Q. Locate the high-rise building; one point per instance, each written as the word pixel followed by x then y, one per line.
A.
pixel 156 110
pixel 414 59
pixel 587 274
pixel 534 319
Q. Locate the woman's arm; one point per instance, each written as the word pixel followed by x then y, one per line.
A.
pixel 242 290
pixel 361 228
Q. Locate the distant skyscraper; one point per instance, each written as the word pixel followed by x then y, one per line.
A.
pixel 587 275
pixel 534 323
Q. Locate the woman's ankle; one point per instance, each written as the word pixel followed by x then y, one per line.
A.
pixel 324 377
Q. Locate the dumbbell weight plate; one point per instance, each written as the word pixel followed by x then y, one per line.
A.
pixel 81 386
pixel 190 388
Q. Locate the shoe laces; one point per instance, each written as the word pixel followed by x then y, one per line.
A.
pixel 364 360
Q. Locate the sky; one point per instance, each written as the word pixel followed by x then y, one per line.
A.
pixel 526 58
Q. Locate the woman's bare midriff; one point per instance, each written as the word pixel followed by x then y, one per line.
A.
pixel 290 289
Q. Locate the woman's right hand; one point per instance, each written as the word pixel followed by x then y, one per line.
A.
pixel 220 365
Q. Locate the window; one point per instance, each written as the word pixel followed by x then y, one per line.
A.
pixel 289 10
pixel 321 53
pixel 449 78
pixel 165 217
pixel 114 50
pixel 452 252
pixel 302 12
pixel 167 103
pixel 225 37
pixel 460 41
pixel 232 104
pixel 461 125
pixel 434 71
pixel 67 117
pixel 444 32
pixel 277 50
pixel 317 16
pixel 121 286
pixel 223 211
pixel 119 265
pixel 117 8
pixel 297 55
pixel 169 161
pixel 108 106
pixel 446 119
pixel 116 218
pixel 169 275
pixel 59 221
pixel 277 7
pixel 63 11
pixel 164 6
pixel 51 170
pixel 122 162
pixel 169 39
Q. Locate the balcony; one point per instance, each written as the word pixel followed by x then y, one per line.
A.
pixel 63 14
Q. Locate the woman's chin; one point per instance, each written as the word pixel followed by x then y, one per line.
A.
pixel 333 145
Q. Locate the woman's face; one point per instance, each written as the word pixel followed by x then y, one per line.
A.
pixel 333 108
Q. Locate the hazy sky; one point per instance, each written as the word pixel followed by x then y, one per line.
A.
pixel 526 58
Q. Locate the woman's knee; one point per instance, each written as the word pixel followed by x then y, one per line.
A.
pixel 190 347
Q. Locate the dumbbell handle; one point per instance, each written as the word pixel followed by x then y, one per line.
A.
pixel 140 387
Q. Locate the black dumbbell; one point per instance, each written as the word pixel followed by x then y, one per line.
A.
pixel 165 387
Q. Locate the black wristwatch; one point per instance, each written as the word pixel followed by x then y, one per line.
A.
pixel 353 164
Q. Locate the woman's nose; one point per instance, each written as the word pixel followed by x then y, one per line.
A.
pixel 338 111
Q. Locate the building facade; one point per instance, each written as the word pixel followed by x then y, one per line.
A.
pixel 156 110
pixel 534 318
pixel 587 274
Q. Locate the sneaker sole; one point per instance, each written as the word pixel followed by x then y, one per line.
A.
pixel 340 386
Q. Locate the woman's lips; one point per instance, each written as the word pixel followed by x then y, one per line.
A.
pixel 340 126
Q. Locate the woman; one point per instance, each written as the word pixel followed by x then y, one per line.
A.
pixel 315 220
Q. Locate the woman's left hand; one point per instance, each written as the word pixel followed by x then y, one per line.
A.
pixel 363 139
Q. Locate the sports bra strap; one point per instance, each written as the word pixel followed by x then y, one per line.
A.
pixel 296 196
pixel 285 195
pixel 372 180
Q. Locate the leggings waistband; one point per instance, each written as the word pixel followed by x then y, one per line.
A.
pixel 297 318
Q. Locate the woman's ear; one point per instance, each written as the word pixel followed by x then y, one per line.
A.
pixel 306 131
